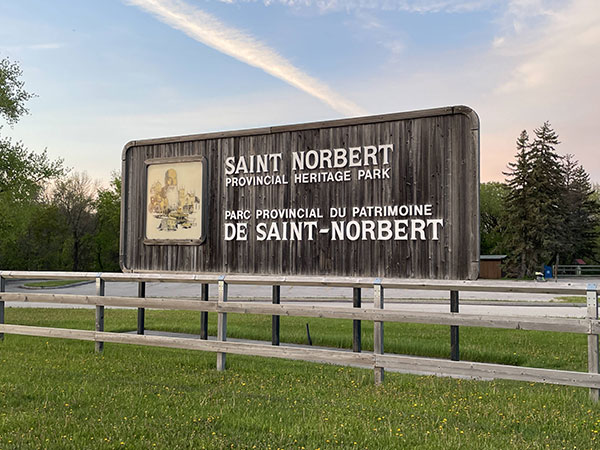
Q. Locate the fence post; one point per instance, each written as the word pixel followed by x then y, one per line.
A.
pixel 99 313
pixel 356 324
pixel 204 314
pixel 275 324
pixel 593 360
pixel 222 323
pixel 378 329
pixel 454 345
pixel 2 289
pixel 141 312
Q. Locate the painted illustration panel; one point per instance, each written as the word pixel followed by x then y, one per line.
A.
pixel 174 196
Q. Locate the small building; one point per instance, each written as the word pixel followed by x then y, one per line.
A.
pixel 490 267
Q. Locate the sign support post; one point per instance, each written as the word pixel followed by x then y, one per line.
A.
pixel 593 347
pixel 204 314
pixel 454 343
pixel 100 285
pixel 378 329
pixel 222 323
pixel 141 312
pixel 2 289
pixel 356 324
pixel 275 324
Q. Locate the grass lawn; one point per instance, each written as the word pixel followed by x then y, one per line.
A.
pixel 52 283
pixel 59 394
pixel 572 299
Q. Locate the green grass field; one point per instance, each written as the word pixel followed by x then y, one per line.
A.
pixel 52 283
pixel 60 394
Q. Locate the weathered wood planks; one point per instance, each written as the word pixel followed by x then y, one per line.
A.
pixel 435 161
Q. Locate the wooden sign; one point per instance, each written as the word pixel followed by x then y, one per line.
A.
pixel 395 195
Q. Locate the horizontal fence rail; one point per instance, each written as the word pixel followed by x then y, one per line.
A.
pixel 586 270
pixel 568 325
pixel 375 312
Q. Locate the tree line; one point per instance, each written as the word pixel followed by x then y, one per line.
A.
pixel 546 212
pixel 50 217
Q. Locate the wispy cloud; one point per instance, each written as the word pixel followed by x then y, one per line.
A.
pixel 207 29
pixel 557 51
pixel 46 46
pixel 416 6
pixel 42 46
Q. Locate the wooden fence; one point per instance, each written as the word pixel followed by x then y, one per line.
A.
pixel 378 359
pixel 581 270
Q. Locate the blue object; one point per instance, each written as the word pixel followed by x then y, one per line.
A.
pixel 547 272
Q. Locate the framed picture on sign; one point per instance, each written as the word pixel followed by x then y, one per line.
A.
pixel 175 206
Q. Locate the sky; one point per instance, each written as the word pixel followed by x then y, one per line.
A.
pixel 106 73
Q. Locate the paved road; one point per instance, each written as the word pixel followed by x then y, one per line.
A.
pixel 409 300
pixel 157 289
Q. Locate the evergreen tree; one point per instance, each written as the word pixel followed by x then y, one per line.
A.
pixel 517 219
pixel 535 203
pixel 582 218
pixel 548 201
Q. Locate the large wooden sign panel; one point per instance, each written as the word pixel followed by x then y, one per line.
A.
pixel 395 195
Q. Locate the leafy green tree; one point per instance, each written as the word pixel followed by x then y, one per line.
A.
pixel 23 173
pixel 13 96
pixel 106 238
pixel 40 243
pixel 74 197
pixel 492 204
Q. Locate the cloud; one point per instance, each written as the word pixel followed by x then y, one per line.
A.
pixel 560 50
pixel 47 46
pixel 208 30
pixel 546 70
pixel 35 47
pixel 551 72
pixel 414 6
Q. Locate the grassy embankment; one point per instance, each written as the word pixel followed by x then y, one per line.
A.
pixel 59 394
pixel 52 283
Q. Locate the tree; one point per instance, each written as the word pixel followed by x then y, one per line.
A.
pixel 23 173
pixel 75 199
pixel 108 214
pixel 551 209
pixel 596 197
pixel 547 180
pixel 13 96
pixel 39 243
pixel 492 205
pixel 535 200
pixel 517 200
pixel 582 213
